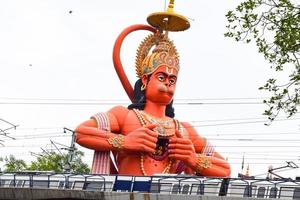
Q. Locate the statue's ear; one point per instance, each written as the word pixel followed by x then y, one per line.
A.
pixel 144 79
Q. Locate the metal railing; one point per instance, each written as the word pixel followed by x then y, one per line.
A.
pixel 170 184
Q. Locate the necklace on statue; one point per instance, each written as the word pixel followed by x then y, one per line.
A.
pixel 165 171
pixel 161 150
pixel 161 124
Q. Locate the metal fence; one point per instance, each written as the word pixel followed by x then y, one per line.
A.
pixel 164 184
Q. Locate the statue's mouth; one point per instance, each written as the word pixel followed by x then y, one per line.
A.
pixel 164 89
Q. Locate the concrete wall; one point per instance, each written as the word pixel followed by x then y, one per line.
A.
pixel 29 193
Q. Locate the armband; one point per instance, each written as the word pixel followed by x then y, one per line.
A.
pixel 117 141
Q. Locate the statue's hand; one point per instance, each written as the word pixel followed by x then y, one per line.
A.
pixel 182 149
pixel 142 139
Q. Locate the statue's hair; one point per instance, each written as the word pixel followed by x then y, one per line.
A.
pixel 139 99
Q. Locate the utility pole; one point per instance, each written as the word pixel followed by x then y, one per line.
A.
pixel 289 164
pixel 71 150
pixel 3 131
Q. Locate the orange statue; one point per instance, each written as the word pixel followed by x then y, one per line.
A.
pixel 145 139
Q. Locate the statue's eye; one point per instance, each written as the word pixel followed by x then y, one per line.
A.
pixel 172 81
pixel 161 77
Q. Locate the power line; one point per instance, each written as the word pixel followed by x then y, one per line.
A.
pixel 217 134
pixel 229 123
pixel 113 103
pixel 72 101
pixel 276 159
pixel 257 133
pixel 126 100
pixel 268 161
pixel 249 122
pixel 218 146
pixel 259 156
pixel 254 140
pixel 243 139
pixel 231 160
pixel 47 135
pixel 36 128
pixel 221 136
pixel 58 103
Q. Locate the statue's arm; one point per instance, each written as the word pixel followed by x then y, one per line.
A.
pixel 142 139
pixel 90 136
pixel 190 150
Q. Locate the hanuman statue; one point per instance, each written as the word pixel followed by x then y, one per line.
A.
pixel 145 138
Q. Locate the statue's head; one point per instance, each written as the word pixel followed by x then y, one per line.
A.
pixel 160 85
pixel 157 70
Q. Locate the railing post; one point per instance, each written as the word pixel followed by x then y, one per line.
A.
pixel 48 180
pixel 104 185
pixel 31 180
pixel 250 191
pixel 14 180
pixel 224 187
pixel 67 182
pixel 85 183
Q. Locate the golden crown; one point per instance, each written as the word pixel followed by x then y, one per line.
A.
pixel 164 53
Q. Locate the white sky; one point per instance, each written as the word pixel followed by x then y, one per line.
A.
pixel 49 54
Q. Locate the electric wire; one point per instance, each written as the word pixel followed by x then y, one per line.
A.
pixel 220 137
pixel 232 123
pixel 247 161
pixel 112 103
pixel 230 157
pixel 126 100
pixel 209 134
pixel 209 137
pixel 219 146
pixel 215 124
pixel 74 101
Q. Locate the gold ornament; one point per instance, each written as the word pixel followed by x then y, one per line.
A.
pixel 168 20
pixel 165 171
pixel 117 141
pixel 164 53
pixel 202 163
pixel 143 87
pixel 143 123
pixel 161 123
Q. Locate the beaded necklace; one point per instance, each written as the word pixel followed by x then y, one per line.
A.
pixel 141 116
pixel 161 124
pixel 165 171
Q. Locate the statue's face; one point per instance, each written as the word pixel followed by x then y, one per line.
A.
pixel 161 86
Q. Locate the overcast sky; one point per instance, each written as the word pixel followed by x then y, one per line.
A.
pixel 56 71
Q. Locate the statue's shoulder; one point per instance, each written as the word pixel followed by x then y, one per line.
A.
pixel 119 109
pixel 186 125
pixel 119 112
pixel 187 129
pixel 123 116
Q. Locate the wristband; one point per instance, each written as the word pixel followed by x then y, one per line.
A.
pixel 202 163
pixel 117 141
